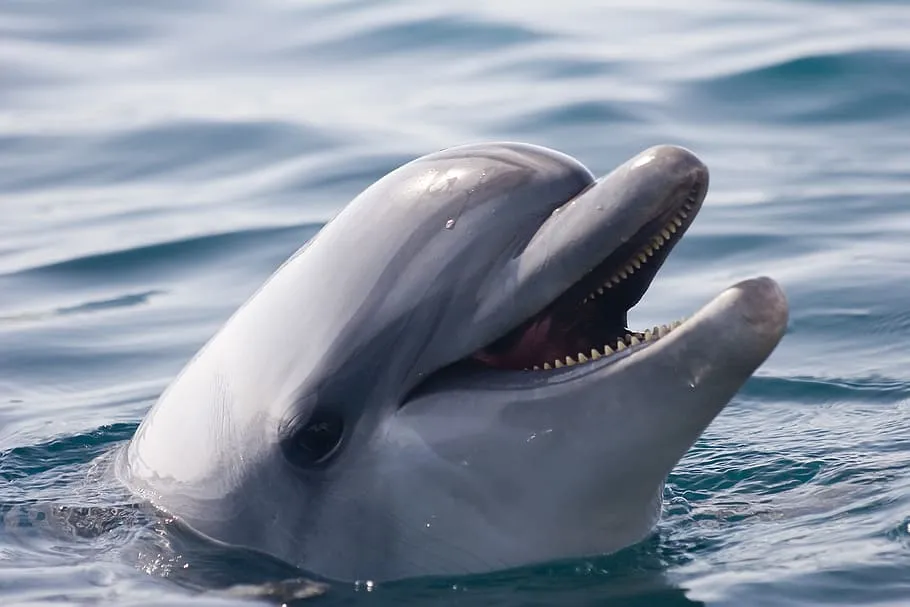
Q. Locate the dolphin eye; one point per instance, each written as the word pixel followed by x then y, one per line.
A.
pixel 316 442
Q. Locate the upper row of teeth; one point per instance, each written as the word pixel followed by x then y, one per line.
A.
pixel 631 339
pixel 635 263
pixel 656 242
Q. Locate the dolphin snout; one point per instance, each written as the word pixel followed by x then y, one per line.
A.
pixel 673 161
pixel 763 304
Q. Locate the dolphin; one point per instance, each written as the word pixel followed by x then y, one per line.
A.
pixel 442 380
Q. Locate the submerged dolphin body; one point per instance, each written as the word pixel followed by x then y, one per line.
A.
pixel 442 382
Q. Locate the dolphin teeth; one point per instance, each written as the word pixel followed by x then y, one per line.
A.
pixel 558 364
pixel 594 354
pixel 570 361
pixel 683 214
pixel 536 368
pixel 664 329
pixel 671 227
pixel 623 275
pixel 649 335
pixel 615 280
pixel 665 233
pixel 649 251
pixel 636 263
pixel 678 222
pixel 547 366
pixel 642 257
pixel 659 240
pixel 634 341
pixel 600 290
pixel 620 345
pixel 608 350
pixel 630 269
pixel 582 358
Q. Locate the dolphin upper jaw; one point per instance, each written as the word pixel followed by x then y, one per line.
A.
pixel 579 234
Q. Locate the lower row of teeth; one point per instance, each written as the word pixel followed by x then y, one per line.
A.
pixel 630 339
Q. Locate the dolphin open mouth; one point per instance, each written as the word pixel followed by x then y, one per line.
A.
pixel 588 321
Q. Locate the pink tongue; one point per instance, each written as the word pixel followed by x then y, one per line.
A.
pixel 535 347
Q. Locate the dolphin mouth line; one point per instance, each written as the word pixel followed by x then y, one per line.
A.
pixel 588 321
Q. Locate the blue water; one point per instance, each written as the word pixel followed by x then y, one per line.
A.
pixel 159 159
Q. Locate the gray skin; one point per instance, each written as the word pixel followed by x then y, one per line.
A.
pixel 460 470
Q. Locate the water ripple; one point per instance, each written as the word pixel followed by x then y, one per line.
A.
pixel 445 34
pixel 158 160
pixel 175 255
pixel 810 89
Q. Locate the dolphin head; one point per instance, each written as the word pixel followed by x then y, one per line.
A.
pixel 443 381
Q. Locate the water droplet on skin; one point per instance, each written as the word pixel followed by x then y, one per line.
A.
pixel 450 224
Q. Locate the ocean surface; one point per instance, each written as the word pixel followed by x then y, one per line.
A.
pixel 159 159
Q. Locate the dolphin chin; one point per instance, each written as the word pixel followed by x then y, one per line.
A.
pixel 443 380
